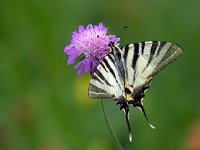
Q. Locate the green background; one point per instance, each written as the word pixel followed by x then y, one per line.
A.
pixel 44 104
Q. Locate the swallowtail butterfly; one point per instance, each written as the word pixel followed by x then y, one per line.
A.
pixel 126 72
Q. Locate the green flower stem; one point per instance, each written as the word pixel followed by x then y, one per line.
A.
pixel 110 128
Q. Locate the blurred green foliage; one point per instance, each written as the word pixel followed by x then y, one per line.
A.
pixel 44 104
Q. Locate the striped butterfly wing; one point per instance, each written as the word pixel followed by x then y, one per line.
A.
pixel 144 60
pixel 125 73
pixel 106 81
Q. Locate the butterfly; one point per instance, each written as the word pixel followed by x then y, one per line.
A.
pixel 126 73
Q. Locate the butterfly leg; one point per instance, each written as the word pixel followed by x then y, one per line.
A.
pixel 124 106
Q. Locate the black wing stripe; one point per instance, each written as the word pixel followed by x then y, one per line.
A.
pixel 102 64
pixel 96 78
pixel 152 51
pixel 111 58
pixel 143 45
pixel 126 52
pixel 162 44
pixel 110 68
pixel 102 77
pixel 135 56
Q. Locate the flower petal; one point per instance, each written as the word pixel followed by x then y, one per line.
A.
pixel 68 49
pixel 94 64
pixel 81 28
pixel 81 70
pixel 87 65
pixel 75 35
pixel 71 59
pixel 78 64
pixel 89 27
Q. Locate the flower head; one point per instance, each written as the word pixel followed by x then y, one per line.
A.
pixel 93 44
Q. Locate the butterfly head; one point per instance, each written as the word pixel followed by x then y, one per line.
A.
pixel 114 48
pixel 111 44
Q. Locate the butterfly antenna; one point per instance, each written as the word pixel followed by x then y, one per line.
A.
pixel 143 111
pixel 126 111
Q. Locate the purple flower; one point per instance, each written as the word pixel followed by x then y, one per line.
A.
pixel 93 44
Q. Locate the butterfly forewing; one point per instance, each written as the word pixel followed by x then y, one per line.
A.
pixel 145 59
pixel 166 56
